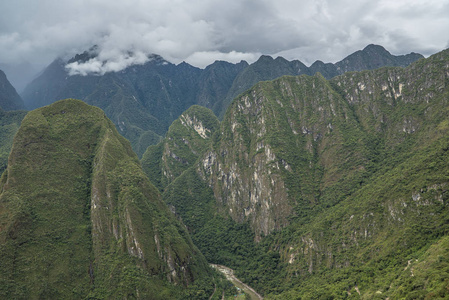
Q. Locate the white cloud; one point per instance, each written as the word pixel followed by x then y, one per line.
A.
pixel 199 31
pixel 204 58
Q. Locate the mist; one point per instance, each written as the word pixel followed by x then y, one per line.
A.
pixel 200 32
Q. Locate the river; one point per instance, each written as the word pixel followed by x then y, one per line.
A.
pixel 229 273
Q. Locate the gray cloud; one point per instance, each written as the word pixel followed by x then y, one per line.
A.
pixel 201 31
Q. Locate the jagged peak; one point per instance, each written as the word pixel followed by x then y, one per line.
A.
pixel 374 48
pixel 265 58
pixel 281 59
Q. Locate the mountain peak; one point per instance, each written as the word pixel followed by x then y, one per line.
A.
pixel 82 201
pixel 374 48
pixel 85 56
pixel 265 58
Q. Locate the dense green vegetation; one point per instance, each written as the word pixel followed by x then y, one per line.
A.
pixel 79 218
pixel 9 124
pixel 309 188
pixel 363 161
pixel 187 138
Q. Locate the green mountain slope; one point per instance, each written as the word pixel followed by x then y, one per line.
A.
pixel 186 140
pixel 341 182
pixel 78 217
pixel 9 124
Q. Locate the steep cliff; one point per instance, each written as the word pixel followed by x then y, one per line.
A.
pixel 78 217
pixel 369 234
pixel 283 146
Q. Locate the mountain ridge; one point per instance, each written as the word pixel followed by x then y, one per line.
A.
pixel 143 100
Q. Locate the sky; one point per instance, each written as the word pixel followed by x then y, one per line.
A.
pixel 202 31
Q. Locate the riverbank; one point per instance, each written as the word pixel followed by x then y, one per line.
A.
pixel 229 273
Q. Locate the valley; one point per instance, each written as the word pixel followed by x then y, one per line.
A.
pixel 229 273
pixel 163 180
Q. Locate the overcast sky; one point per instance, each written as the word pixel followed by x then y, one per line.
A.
pixel 202 31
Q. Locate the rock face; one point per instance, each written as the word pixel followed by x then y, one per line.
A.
pixel 275 147
pixel 289 143
pixel 9 99
pixel 78 217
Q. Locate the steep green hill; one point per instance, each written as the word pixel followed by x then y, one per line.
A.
pixel 187 139
pixel 79 219
pixel 9 124
pixel 342 183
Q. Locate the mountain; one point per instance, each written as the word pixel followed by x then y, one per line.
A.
pixel 20 74
pixel 10 118
pixel 143 100
pixel 9 124
pixel 186 140
pixel 373 57
pixel 267 68
pixel 215 82
pixel 316 188
pixel 79 219
pixel 9 99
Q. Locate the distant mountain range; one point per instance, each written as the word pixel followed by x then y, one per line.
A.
pixel 20 74
pixel 143 100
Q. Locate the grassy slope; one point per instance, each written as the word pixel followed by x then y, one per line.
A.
pixel 9 124
pixel 78 216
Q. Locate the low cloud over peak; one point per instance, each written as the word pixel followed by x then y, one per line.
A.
pixel 200 32
pixel 106 61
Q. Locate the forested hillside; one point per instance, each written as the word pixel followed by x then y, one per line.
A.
pixel 329 188
pixel 79 219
